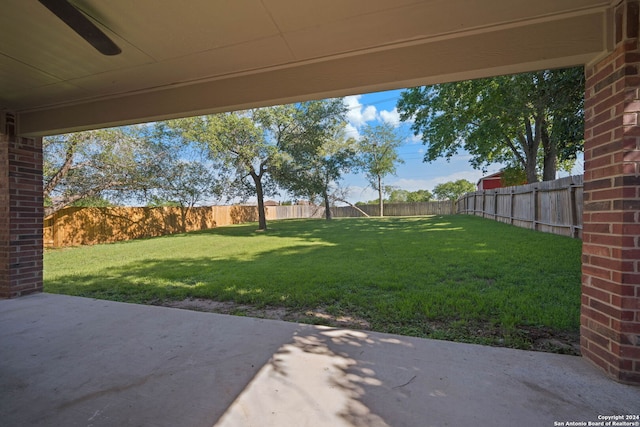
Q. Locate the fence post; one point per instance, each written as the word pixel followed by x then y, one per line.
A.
pixel 475 196
pixel 511 206
pixel 572 210
pixel 535 208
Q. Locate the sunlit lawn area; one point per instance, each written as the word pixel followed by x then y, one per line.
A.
pixel 460 278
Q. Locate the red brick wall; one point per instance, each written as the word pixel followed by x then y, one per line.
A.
pixel 21 213
pixel 610 315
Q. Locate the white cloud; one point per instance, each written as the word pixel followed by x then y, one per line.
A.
pixel 352 101
pixel 415 139
pixel 369 113
pixel 356 114
pixel 391 117
pixel 351 131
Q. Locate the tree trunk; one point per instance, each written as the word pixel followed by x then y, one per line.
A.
pixel 550 165
pixel 380 200
pixel 530 169
pixel 531 151
pixel 327 205
pixel 62 172
pixel 183 214
pixel 262 217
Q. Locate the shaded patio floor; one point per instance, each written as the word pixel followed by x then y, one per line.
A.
pixel 69 361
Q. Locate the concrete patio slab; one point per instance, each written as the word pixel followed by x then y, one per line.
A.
pixel 68 361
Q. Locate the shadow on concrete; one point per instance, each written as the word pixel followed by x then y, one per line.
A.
pixel 313 378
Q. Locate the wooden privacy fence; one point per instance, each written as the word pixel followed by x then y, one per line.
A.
pixel 550 206
pixel 446 207
pixel 89 226
pixel 553 206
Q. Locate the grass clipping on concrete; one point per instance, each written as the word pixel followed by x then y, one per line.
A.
pixel 459 278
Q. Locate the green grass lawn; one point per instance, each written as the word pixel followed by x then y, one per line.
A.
pixel 460 277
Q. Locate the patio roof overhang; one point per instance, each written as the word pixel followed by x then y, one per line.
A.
pixel 181 59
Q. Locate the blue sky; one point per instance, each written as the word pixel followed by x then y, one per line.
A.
pixel 414 174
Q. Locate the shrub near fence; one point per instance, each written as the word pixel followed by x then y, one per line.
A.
pixel 549 206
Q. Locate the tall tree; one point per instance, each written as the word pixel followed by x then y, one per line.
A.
pixel 258 150
pixel 315 153
pixel 237 145
pixel 115 163
pixel 516 119
pixel 452 190
pixel 379 156
pixel 321 174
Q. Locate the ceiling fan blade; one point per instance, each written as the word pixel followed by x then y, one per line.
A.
pixel 82 25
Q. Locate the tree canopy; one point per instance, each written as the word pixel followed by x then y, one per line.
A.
pixel 379 156
pixel 320 178
pixel 398 195
pixel 297 147
pixel 531 121
pixel 237 146
pixel 316 159
pixel 143 164
pixel 452 190
pixel 261 150
pixel 112 163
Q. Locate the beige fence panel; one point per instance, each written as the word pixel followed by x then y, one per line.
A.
pixel 550 206
pixel 295 211
pixel 89 226
pixel 445 207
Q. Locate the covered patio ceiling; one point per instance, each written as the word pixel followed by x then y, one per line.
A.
pixel 203 56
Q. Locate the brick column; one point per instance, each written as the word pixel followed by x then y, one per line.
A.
pixel 21 212
pixel 610 314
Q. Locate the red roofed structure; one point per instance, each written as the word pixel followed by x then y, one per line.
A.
pixel 491 181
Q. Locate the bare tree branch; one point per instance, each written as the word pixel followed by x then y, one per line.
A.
pixel 340 199
pixel 63 170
